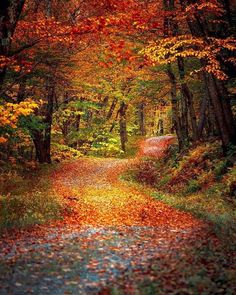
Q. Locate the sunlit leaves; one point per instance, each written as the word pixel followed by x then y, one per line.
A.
pixel 169 49
pixel 11 112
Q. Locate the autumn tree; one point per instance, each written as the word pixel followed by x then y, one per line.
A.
pixel 192 32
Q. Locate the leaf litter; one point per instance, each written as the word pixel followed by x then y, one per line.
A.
pixel 113 239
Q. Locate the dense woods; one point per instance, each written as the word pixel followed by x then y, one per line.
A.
pixel 117 146
pixel 91 75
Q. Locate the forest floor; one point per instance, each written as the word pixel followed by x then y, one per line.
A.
pixel 114 239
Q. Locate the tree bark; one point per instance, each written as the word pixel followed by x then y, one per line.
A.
pixel 49 8
pixel 10 12
pixel 219 113
pixel 42 139
pixel 181 129
pixel 217 91
pixel 202 117
pixel 123 126
pixel 141 117
pixel 112 108
pixel 114 122
pixel 175 111
pixel 21 90
pixel 189 99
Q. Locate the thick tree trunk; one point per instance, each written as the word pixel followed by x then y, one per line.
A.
pixel 184 117
pixel 227 109
pixel 42 139
pixel 216 88
pixel 182 130
pixel 9 15
pixel 189 99
pixel 123 126
pixel 41 148
pixel 219 113
pixel 49 8
pixel 175 111
pixel 213 126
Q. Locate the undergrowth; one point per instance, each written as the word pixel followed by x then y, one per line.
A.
pixel 26 194
pixel 62 153
pixel 27 197
pixel 202 182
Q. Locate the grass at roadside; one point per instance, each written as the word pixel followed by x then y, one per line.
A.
pixel 220 214
pixel 27 197
pixel 201 182
pixel 214 210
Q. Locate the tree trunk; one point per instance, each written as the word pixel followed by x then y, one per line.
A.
pixel 114 122
pixel 184 118
pixel 48 120
pixel 192 114
pixel 219 113
pixel 141 117
pixel 227 109
pixel 42 139
pixel 123 126
pixel 202 117
pixel 9 15
pixel 175 111
pixel 21 90
pixel 181 129
pixel 216 88
pixel 39 143
pixel 112 108
pixel 189 99
pixel 49 8
pixel 160 130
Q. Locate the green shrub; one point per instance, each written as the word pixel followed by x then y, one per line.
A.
pixel 163 181
pixel 217 189
pixel 192 187
pixel 105 144
pixel 220 169
pixel 61 152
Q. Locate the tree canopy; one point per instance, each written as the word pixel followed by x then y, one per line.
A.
pixel 90 75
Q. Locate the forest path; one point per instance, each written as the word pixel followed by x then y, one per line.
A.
pixel 99 198
pixel 113 238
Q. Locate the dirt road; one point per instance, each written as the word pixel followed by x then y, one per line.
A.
pixel 115 239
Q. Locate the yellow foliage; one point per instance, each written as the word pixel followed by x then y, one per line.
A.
pixel 167 50
pixel 10 113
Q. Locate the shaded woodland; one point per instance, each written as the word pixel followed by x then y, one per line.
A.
pixel 117 147
pixel 88 76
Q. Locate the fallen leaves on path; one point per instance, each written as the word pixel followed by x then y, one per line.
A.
pixel 113 238
pixel 100 199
